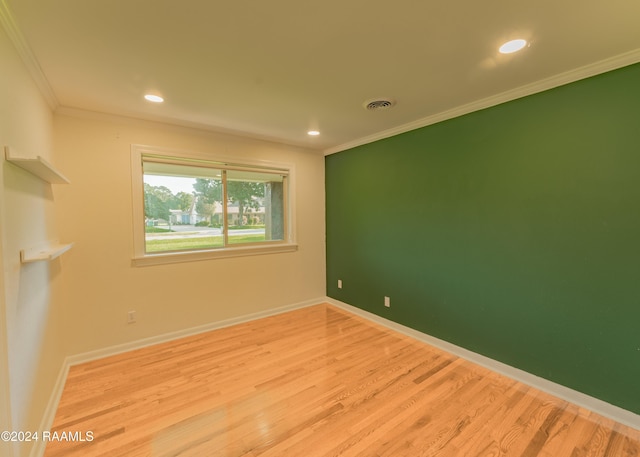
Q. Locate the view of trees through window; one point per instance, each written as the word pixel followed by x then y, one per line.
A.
pixel 185 207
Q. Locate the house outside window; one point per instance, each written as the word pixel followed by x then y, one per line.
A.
pixel 194 207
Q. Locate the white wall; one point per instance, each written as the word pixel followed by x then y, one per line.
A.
pixel 78 302
pixel 31 351
pixel 95 212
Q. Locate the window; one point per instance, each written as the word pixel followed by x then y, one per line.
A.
pixel 194 207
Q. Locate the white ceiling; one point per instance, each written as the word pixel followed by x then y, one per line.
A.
pixel 275 69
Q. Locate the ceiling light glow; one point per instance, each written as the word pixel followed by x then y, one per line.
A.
pixel 512 46
pixel 154 98
pixel 313 133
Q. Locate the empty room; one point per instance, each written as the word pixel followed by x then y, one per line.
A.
pixel 246 229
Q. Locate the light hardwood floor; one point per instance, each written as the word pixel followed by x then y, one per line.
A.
pixel 317 381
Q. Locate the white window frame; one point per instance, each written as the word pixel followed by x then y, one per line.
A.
pixel 142 258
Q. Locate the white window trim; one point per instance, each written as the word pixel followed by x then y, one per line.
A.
pixel 141 258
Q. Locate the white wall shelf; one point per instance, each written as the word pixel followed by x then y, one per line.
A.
pixel 47 253
pixel 38 166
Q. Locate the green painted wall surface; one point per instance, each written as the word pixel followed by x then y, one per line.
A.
pixel 513 232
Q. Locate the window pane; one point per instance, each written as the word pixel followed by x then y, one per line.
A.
pixel 255 208
pixel 182 206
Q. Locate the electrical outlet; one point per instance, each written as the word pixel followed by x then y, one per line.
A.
pixel 339 283
pixel 131 317
pixel 387 302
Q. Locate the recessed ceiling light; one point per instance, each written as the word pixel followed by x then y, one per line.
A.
pixel 313 133
pixel 154 98
pixel 512 46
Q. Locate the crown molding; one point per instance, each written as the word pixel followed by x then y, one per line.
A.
pixel 561 79
pixel 151 121
pixel 26 54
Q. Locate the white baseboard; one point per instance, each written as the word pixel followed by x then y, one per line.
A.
pixel 591 403
pixel 52 406
pixel 565 393
pixel 138 344
pixel 37 450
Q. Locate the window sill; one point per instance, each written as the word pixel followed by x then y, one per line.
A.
pixel 222 253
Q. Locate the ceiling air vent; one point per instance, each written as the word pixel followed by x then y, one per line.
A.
pixel 379 104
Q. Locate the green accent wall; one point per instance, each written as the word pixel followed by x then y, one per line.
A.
pixel 513 232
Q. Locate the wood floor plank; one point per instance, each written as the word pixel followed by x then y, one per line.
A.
pixel 317 382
